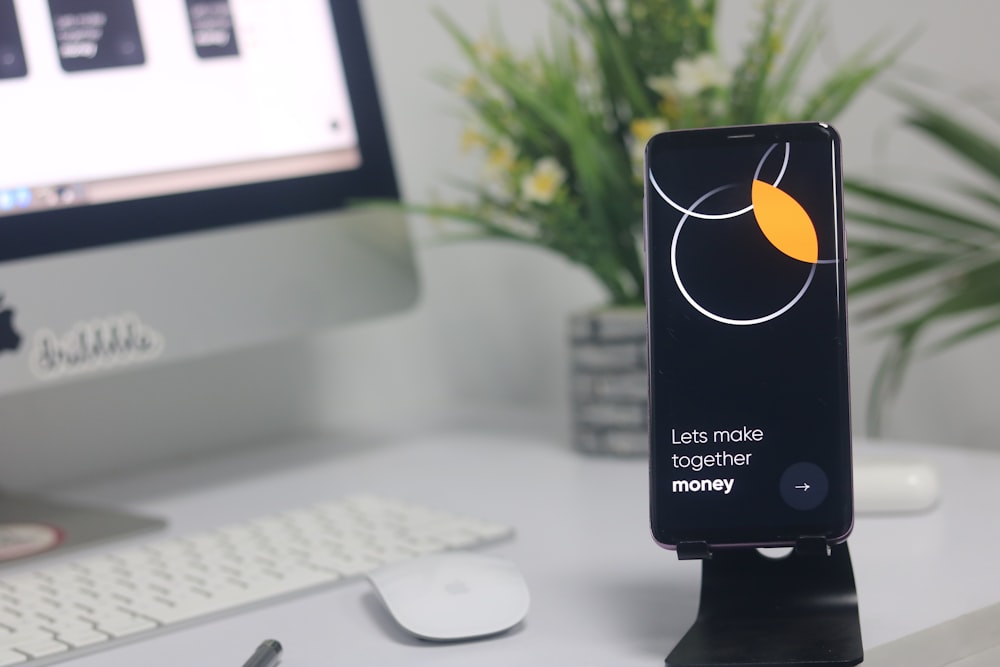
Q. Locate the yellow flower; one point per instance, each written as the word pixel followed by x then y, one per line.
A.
pixel 487 49
pixel 643 129
pixel 471 139
pixel 543 182
pixel 500 157
pixel 668 107
pixel 469 86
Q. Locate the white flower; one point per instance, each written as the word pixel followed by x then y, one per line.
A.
pixel 662 85
pixel 703 72
pixel 542 184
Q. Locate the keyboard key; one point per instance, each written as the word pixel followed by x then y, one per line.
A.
pixel 79 638
pixel 124 627
pixel 8 657
pixel 41 648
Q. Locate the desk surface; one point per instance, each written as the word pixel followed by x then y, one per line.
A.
pixel 602 592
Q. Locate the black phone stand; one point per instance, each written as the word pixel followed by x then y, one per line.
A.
pixel 759 611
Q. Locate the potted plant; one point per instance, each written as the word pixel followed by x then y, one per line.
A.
pixel 561 130
pixel 925 259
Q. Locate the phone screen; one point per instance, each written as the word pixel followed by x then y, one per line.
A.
pixel 750 439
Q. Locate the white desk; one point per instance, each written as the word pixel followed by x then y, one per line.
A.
pixel 602 592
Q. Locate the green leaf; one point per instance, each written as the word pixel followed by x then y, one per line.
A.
pixel 968 333
pixel 988 198
pixel 785 81
pixel 864 250
pixel 619 71
pixel 750 78
pixel 888 379
pixel 897 273
pixel 906 226
pixel 850 77
pixel 934 214
pixel 960 138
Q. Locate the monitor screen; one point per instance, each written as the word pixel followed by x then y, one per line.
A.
pixel 177 184
pixel 136 132
pixel 130 119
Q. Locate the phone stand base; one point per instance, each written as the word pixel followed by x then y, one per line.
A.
pixel 758 611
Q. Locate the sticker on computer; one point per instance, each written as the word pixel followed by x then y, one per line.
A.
pixel 94 345
pixel 19 540
pixel 10 339
pixel 96 34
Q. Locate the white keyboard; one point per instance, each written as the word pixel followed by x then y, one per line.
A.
pixel 58 612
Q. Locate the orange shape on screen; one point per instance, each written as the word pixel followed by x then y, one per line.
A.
pixel 784 222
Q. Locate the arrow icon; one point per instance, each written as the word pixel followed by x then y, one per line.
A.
pixel 803 486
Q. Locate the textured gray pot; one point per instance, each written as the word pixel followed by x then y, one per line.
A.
pixel 609 381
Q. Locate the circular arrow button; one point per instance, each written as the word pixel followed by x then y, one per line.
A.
pixel 804 486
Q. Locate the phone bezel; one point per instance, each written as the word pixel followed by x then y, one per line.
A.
pixel 766 536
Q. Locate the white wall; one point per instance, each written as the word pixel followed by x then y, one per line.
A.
pixel 490 328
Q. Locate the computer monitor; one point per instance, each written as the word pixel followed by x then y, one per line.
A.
pixel 177 180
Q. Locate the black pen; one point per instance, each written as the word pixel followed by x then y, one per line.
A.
pixel 266 654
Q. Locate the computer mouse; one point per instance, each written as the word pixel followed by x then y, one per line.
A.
pixel 453 596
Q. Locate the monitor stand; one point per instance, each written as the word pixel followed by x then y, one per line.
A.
pixel 33 526
pixel 765 612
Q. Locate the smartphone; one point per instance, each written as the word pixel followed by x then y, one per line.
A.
pixel 12 62
pixel 96 34
pixel 749 400
pixel 212 28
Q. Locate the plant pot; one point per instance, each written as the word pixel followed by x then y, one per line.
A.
pixel 609 382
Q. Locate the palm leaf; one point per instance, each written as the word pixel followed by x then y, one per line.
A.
pixel 918 210
pixel 975 193
pixel 979 150
pixel 892 274
pixel 850 77
pixel 785 80
pixel 928 266
pixel 987 325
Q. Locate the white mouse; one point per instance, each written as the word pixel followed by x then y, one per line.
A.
pixel 453 596
pixel 895 485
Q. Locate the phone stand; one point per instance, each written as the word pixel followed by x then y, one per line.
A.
pixel 798 610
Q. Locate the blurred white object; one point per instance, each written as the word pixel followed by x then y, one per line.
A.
pixel 895 485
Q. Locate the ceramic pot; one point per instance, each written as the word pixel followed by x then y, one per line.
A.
pixel 608 383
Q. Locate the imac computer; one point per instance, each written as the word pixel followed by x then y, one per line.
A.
pixel 177 181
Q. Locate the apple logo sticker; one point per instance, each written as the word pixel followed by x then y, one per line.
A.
pixel 10 340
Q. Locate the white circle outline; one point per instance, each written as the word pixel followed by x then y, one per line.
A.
pixel 691 213
pixel 723 216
